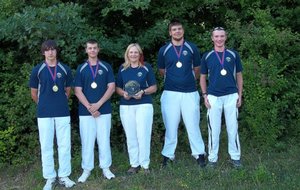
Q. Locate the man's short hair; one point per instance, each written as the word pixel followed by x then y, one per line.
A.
pixel 91 41
pixel 174 22
pixel 47 45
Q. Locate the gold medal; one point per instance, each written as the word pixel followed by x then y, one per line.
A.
pixel 178 64
pixel 223 72
pixel 94 85
pixel 55 88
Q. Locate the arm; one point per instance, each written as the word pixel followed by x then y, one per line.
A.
pixel 150 90
pixel 109 91
pixel 203 86
pixel 81 97
pixel 34 94
pixel 162 72
pixel 197 72
pixel 68 91
pixel 239 81
pixel 123 93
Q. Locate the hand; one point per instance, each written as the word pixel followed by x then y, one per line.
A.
pixel 126 96
pixel 206 102
pixel 139 94
pixel 239 102
pixel 93 107
pixel 96 114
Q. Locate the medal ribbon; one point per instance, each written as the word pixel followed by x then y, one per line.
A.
pixel 221 61
pixel 94 73
pixel 178 53
pixel 53 75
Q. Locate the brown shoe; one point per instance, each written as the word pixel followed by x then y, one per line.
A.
pixel 133 170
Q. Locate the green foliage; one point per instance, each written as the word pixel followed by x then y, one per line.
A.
pixel 265 33
pixel 16 121
pixel 269 58
pixel 9 7
pixel 7 144
pixel 261 174
pixel 34 25
pixel 126 6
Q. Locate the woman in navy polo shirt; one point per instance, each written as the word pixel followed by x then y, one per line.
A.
pixel 136 110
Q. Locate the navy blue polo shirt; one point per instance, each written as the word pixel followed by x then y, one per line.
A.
pixel 179 79
pixel 219 85
pixel 84 79
pixel 50 103
pixel 144 75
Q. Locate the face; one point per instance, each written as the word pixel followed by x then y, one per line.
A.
pixel 133 55
pixel 219 38
pixel 50 54
pixel 176 32
pixel 92 50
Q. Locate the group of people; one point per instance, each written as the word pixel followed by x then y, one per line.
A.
pixel 178 62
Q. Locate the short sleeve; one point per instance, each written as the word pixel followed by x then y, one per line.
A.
pixel 160 59
pixel 196 56
pixel 34 81
pixel 203 68
pixel 69 79
pixel 119 81
pixel 239 67
pixel 111 77
pixel 77 80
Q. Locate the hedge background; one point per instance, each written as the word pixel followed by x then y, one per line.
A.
pixel 264 32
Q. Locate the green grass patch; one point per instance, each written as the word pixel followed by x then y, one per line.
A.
pixel 261 170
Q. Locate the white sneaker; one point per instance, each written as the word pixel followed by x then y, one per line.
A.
pixel 108 174
pixel 49 184
pixel 66 182
pixel 85 174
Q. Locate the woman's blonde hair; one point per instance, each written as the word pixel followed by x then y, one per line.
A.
pixel 127 61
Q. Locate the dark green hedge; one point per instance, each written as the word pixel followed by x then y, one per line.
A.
pixel 264 32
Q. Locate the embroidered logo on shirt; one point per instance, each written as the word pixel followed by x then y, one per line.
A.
pixel 100 72
pixel 139 74
pixel 184 52
pixel 58 75
pixel 228 59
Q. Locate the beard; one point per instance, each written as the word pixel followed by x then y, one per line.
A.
pixel 177 38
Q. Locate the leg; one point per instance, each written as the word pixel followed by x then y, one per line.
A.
pixel 170 109
pixel 144 117
pixel 128 119
pixel 214 115
pixel 103 140
pixel 63 136
pixel 231 114
pixel 87 125
pixel 46 137
pixel 191 116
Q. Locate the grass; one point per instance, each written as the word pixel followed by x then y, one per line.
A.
pixel 261 170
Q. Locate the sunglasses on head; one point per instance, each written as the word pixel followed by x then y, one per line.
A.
pixel 218 28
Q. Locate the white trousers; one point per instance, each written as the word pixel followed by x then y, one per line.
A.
pixel 137 122
pixel 214 115
pixel 173 106
pixel 60 126
pixel 91 129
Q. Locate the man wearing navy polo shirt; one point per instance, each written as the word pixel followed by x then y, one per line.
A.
pixel 179 63
pixel 50 83
pixel 224 93
pixel 94 85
